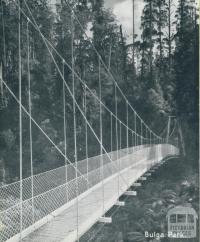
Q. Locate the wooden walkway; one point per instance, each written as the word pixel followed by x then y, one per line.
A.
pixel 63 227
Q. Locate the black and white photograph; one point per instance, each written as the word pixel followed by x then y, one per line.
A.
pixel 99 121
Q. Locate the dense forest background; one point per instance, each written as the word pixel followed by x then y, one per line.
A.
pixel 159 78
pixel 158 73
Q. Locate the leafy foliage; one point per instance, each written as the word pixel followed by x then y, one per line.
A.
pixel 163 83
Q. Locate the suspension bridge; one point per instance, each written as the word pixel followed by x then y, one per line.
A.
pixel 63 203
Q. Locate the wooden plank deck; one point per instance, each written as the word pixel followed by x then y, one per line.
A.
pixel 63 228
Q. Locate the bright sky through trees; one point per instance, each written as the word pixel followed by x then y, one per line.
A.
pixel 123 10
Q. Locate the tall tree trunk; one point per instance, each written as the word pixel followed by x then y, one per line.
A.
pixel 195 29
pixel 134 38
pixel 169 34
pixel 181 20
pixel 160 39
pixel 142 67
pixel 142 60
pixel 123 53
pixel 151 44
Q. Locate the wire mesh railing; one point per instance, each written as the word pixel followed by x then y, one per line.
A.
pixel 52 190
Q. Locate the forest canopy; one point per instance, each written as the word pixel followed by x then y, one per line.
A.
pixel 158 73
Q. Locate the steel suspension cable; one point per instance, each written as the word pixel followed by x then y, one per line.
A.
pixel 3 32
pixel 111 138
pixel 86 133
pixel 74 120
pixel 46 43
pixel 65 128
pixel 127 131
pixel 30 121
pixel 20 119
pixel 101 133
pixel 150 137
pixel 146 133
pixel 141 131
pixel 38 126
pixel 4 52
pixel 31 117
pixel 23 108
pixel 127 123
pixel 111 132
pixel 120 144
pixel 105 66
pixel 132 137
pixel 173 129
pixel 120 125
pixel 116 133
pixel 135 127
pixel 49 43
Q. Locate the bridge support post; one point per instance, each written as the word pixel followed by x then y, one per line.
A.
pixel 120 203
pixel 106 220
pixel 137 184
pixel 130 193
pixel 142 178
